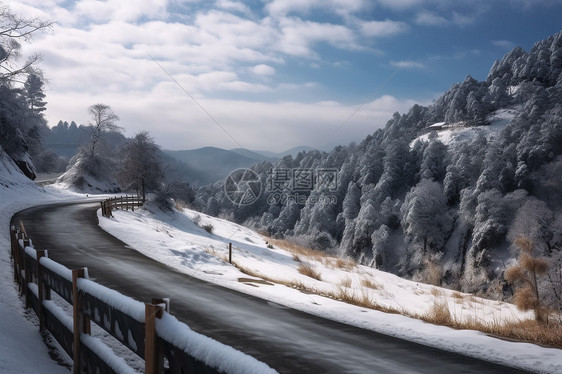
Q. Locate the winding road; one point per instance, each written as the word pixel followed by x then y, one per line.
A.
pixel 287 340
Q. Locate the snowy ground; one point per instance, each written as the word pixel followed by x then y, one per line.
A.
pixel 177 241
pixel 498 120
pixel 21 347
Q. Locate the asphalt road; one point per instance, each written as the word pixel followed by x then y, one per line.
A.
pixel 289 341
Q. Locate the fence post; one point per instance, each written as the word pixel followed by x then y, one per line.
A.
pixel 27 274
pixel 164 301
pixel 14 254
pixel 230 253
pixel 81 323
pixel 43 292
pixel 153 360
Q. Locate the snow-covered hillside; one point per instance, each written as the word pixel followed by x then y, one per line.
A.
pixel 76 178
pixel 454 135
pixel 22 349
pixel 180 241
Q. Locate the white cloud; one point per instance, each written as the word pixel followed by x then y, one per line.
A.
pixel 298 36
pixel 383 28
pixel 503 44
pixel 104 11
pixel 463 19
pixel 281 8
pixel 100 53
pixel 263 70
pixel 177 122
pixel 407 64
pixel 400 4
pixel 428 18
pixel 234 6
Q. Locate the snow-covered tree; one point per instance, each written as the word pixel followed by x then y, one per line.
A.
pixel 426 220
pixel 34 92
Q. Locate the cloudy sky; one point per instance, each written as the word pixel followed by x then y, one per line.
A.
pixel 270 74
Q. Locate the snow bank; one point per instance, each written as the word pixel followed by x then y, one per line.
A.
pixel 207 350
pixel 113 298
pixel 179 243
pixel 18 335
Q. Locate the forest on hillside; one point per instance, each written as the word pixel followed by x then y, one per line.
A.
pixel 426 208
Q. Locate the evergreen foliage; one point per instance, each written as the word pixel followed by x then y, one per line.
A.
pixel 403 203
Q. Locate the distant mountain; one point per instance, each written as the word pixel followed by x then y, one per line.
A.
pixel 293 152
pixel 211 164
pixel 256 155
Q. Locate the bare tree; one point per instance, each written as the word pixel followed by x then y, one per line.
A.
pixel 141 168
pixel 525 275
pixel 14 30
pixel 104 120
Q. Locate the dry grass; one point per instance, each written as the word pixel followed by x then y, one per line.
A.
pixel 546 334
pixel 436 292
pixel 297 249
pixel 457 295
pixel 439 314
pixel 307 269
pixel 372 284
pixel 344 264
pixel 300 252
pixel 346 282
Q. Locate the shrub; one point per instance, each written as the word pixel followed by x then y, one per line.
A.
pixel 524 275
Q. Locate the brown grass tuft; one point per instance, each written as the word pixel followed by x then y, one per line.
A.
pixel 369 283
pixel 439 314
pixel 306 269
pixel 346 282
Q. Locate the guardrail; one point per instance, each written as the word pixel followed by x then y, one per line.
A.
pixel 148 330
pixel 121 202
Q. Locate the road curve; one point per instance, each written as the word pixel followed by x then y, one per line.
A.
pixel 289 341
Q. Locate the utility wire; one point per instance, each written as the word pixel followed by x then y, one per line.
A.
pixel 195 100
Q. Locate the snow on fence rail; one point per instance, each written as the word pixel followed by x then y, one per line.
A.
pixel 120 202
pixel 148 329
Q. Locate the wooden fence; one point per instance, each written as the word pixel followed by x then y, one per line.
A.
pixel 132 323
pixel 121 202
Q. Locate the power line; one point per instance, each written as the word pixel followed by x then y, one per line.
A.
pixel 195 101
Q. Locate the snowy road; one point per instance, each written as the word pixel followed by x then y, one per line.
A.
pixel 287 340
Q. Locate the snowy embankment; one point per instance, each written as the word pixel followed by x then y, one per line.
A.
pixel 179 242
pixel 21 347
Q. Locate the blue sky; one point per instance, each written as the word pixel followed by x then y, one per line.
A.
pixel 270 74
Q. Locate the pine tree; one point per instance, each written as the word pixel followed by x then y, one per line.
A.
pixel 34 92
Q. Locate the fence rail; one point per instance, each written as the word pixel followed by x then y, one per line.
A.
pixel 136 325
pixel 120 202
